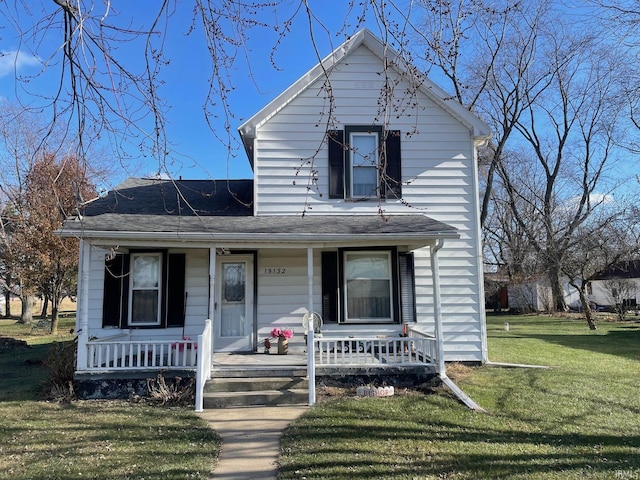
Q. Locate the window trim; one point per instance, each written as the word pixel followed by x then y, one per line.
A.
pixel 389 279
pixel 389 166
pixel 352 163
pixel 349 130
pixel 395 307
pixel 159 288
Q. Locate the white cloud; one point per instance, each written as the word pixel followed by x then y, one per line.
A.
pixel 14 61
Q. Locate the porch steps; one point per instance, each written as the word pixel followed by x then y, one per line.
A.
pixel 241 387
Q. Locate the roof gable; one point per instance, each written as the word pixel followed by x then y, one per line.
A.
pixel 479 129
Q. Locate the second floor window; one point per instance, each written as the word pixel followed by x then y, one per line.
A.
pixel 364 162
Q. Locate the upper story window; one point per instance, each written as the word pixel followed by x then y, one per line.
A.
pixel 364 162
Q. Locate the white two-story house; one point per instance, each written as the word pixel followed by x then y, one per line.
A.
pixel 363 207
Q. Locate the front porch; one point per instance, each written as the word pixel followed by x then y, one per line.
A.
pixel 405 358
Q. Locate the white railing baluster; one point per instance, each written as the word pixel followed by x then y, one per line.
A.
pixel 413 350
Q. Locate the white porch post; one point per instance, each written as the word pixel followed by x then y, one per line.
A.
pixel 82 320
pixel 311 361
pixel 212 291
pixel 437 305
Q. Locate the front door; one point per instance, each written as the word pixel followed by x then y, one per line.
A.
pixel 233 325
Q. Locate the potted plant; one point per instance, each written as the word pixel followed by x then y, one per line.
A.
pixel 283 335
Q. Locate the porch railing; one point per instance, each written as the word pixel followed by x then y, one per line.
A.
pixel 367 351
pixel 415 349
pixel 105 355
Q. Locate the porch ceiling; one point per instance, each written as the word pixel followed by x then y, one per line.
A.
pixel 268 229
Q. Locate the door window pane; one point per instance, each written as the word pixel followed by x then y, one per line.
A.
pixel 233 318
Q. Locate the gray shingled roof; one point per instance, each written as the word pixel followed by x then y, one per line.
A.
pixel 154 210
pixel 142 196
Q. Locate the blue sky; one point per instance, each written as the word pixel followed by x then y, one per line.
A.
pixel 195 151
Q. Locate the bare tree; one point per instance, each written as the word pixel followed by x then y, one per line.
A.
pixel 99 93
pixel 487 52
pixel 555 94
pixel 607 240
pixel 619 291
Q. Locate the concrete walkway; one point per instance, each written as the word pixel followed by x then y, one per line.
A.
pixel 250 439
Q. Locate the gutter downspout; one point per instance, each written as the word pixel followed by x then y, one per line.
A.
pixel 437 310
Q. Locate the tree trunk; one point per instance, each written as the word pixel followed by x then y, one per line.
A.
pixel 45 307
pixel 557 291
pixel 54 317
pixel 7 304
pixel 28 301
pixel 587 309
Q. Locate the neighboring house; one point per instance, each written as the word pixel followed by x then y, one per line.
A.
pixel 373 223
pixel 602 292
pixel 532 296
pixel 619 282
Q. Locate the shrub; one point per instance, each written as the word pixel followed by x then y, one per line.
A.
pixel 176 392
pixel 61 363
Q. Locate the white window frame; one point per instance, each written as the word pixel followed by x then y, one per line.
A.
pixel 374 156
pixel 388 254
pixel 157 288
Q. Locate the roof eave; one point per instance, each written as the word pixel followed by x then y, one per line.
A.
pixel 258 237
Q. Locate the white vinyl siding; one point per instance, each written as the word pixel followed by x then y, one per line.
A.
pixel 438 171
pixel 196 288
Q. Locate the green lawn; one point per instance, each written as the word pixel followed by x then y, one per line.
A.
pixel 89 439
pixel 577 420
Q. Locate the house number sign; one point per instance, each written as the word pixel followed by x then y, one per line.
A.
pixel 275 271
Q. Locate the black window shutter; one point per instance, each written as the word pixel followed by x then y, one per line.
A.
pixel 116 291
pixel 407 287
pixel 392 178
pixel 175 297
pixel 336 164
pixel 330 290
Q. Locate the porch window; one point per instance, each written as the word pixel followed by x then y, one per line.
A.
pixel 368 288
pixel 145 289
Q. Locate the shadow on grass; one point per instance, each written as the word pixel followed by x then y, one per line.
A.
pixel 393 447
pixel 105 440
pixel 622 341
pixel 22 373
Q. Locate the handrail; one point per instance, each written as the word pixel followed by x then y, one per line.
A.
pixel 203 369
